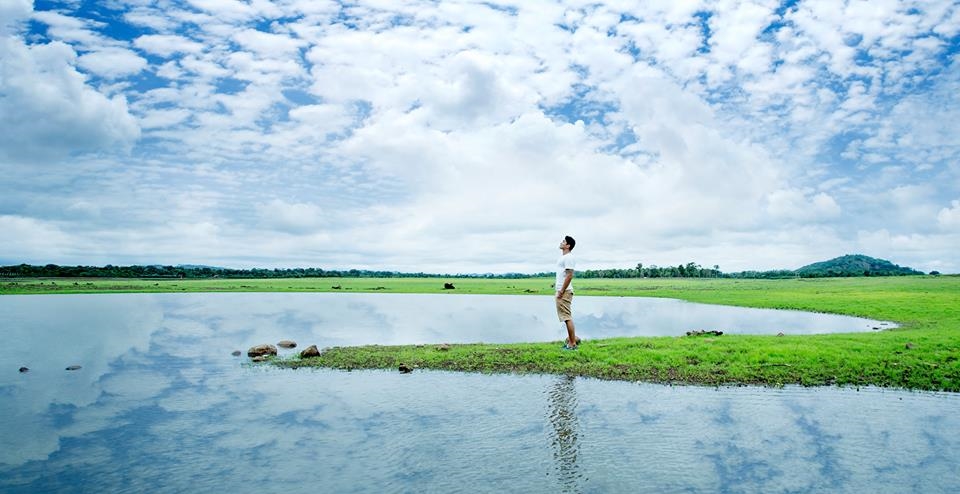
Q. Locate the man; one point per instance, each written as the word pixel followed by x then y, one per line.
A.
pixel 564 288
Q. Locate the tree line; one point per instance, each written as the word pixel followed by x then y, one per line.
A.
pixel 688 270
pixel 199 272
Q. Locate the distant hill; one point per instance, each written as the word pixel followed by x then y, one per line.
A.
pixel 854 265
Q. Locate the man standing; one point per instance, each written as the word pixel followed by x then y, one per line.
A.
pixel 564 288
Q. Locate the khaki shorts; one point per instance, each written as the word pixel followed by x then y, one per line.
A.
pixel 563 305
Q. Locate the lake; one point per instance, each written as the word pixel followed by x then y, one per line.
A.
pixel 160 405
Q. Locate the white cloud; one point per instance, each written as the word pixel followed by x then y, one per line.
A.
pixel 292 218
pixel 736 26
pixel 156 119
pixel 166 45
pixel 949 218
pixel 13 12
pixel 31 239
pixel 112 63
pixel 795 205
pixel 48 110
pixel 268 44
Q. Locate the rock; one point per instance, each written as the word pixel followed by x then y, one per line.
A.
pixel 24 369
pixel 236 353
pixel 448 286
pixel 259 358
pixel 405 369
pixel 310 351
pixel 261 350
pixel 443 347
pixel 287 344
pixel 73 368
pixel 910 346
pixel 779 334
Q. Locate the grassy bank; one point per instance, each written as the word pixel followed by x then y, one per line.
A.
pixel 922 354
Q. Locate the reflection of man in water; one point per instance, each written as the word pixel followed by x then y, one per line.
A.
pixel 566 432
pixel 564 288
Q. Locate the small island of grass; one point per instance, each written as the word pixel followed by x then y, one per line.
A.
pixel 922 354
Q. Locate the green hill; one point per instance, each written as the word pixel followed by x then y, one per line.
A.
pixel 854 265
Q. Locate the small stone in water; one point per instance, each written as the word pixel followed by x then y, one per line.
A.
pixel 259 350
pixel 24 369
pixel 236 353
pixel 73 368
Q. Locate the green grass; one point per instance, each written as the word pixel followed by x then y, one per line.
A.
pixel 922 354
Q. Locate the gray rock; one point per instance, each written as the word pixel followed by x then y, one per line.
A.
pixel 405 369
pixel 443 347
pixel 259 358
pixel 261 350
pixel 236 353
pixel 73 368
pixel 287 344
pixel 24 369
pixel 310 351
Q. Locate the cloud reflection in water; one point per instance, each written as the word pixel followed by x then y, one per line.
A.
pixel 161 406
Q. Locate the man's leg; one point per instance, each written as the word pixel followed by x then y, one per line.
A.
pixel 571 334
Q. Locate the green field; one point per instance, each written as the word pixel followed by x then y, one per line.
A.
pixel 924 353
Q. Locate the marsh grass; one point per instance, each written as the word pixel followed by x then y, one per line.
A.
pixel 922 354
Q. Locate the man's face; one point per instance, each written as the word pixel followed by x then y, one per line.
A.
pixel 563 244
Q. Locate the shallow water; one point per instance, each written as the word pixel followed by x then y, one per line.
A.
pixel 160 406
pixel 332 319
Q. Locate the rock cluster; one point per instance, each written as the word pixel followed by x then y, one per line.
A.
pixel 259 353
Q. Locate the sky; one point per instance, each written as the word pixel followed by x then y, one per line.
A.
pixel 470 137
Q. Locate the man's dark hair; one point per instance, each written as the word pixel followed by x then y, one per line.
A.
pixel 570 241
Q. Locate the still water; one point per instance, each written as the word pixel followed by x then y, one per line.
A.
pixel 160 405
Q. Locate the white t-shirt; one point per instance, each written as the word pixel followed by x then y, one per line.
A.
pixel 564 263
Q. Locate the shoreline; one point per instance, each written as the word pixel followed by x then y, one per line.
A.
pixel 922 354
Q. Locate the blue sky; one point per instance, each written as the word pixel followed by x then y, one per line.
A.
pixel 471 136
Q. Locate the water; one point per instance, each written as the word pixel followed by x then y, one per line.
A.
pixel 160 406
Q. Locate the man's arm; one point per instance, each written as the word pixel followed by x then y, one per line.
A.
pixel 566 282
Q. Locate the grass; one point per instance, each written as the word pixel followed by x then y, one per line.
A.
pixel 922 354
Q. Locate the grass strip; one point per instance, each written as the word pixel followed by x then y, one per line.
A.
pixel 922 354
